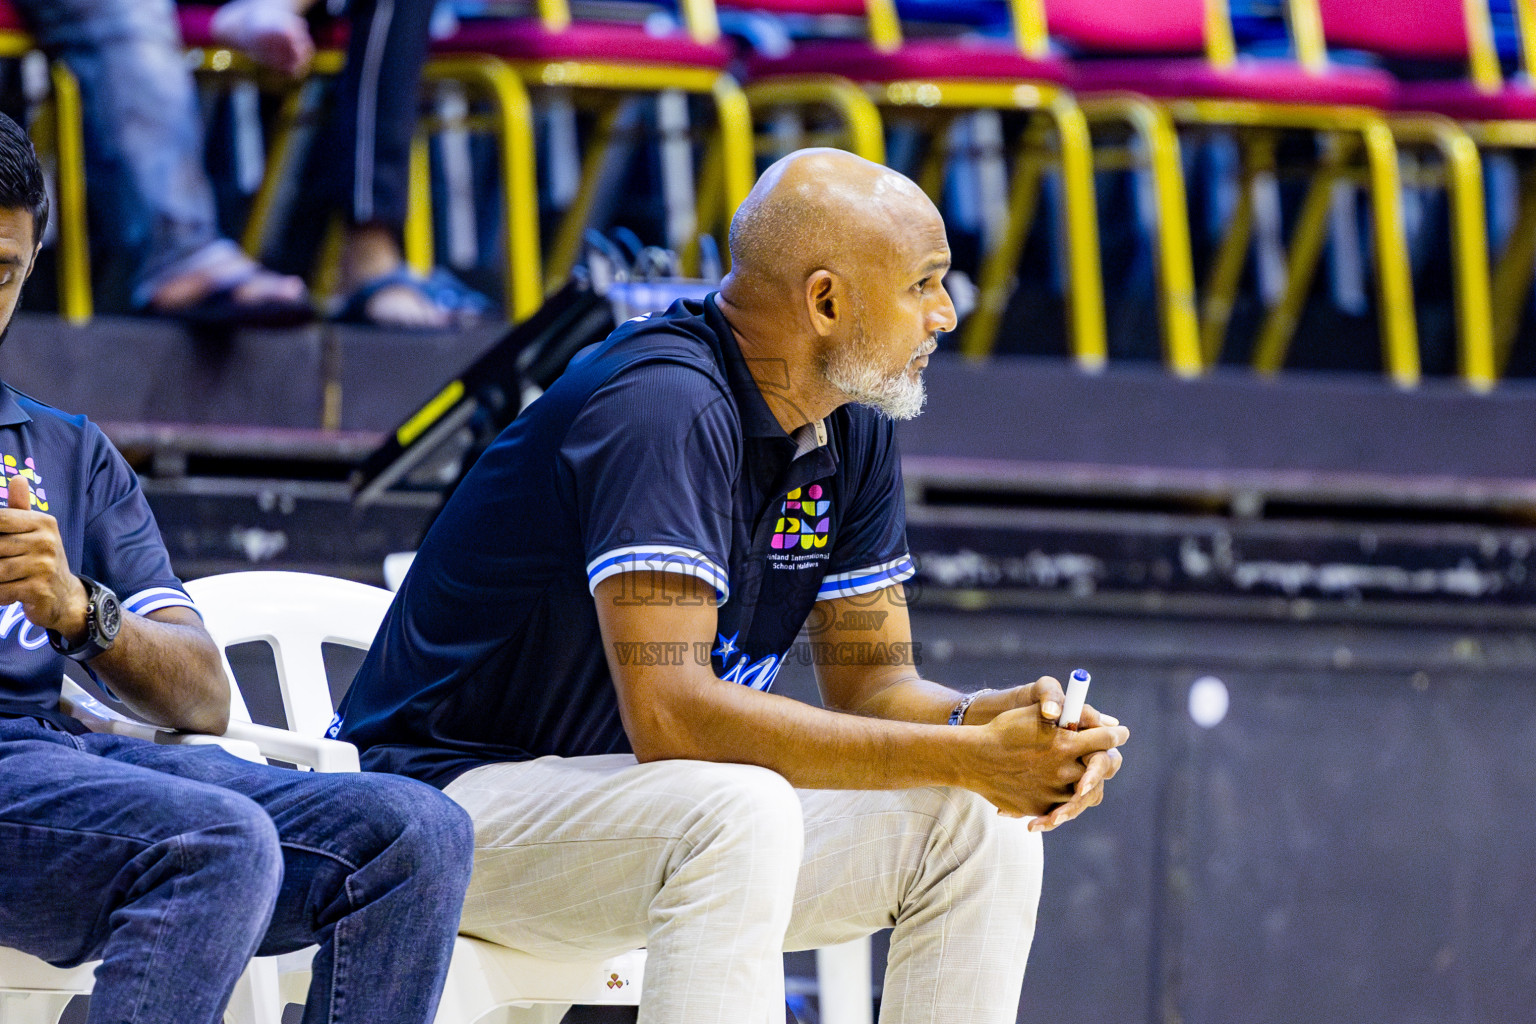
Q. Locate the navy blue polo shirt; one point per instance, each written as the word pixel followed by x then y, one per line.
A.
pixel 108 532
pixel 653 452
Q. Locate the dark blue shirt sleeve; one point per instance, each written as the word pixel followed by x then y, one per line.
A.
pixel 870 552
pixel 653 454
pixel 122 545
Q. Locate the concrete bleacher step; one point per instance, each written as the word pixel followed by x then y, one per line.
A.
pixel 1030 484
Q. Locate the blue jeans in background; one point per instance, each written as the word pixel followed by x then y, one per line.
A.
pixel 174 865
pixel 150 196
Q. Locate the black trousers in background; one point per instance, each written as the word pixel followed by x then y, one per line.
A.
pixel 361 161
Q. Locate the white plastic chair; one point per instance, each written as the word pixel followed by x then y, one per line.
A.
pixel 33 992
pixel 296 613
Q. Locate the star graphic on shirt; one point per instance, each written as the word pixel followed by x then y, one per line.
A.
pixel 727 647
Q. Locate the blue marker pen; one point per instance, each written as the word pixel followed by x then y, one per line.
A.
pixel 1077 695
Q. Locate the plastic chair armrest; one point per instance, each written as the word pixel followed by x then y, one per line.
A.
pixel 243 739
pixel 323 755
pixel 97 717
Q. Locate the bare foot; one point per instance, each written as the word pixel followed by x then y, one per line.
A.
pixel 404 305
pixel 371 252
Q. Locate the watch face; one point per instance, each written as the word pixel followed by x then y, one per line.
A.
pixel 109 617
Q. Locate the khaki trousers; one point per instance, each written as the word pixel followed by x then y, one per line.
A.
pixel 717 868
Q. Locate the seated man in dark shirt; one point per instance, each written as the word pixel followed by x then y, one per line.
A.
pixel 582 652
pixel 173 865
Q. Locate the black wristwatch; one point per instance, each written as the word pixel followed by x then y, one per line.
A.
pixel 103 618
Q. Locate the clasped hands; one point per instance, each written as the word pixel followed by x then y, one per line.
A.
pixel 1038 769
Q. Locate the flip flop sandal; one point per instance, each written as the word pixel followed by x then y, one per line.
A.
pixel 442 290
pixel 220 309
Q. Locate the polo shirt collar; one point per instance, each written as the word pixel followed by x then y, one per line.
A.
pixel 11 412
pixel 757 420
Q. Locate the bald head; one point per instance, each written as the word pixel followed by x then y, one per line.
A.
pixel 836 291
pixel 825 209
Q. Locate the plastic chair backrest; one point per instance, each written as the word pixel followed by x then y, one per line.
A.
pixel 1149 27
pixel 1405 28
pixel 295 613
pixel 1129 26
pixel 698 16
pixel 1410 29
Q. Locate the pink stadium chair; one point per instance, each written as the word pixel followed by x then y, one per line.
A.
pixel 1181 53
pixel 930 82
pixel 599 65
pixel 1489 112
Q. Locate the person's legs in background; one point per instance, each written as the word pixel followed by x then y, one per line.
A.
pixel 144 144
pixel 366 170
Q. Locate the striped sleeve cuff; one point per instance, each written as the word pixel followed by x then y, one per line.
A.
pixel 658 558
pixel 155 598
pixel 863 581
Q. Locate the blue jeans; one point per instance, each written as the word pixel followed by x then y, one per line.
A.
pixel 151 199
pixel 174 865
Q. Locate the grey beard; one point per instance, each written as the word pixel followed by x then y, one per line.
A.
pixel 896 396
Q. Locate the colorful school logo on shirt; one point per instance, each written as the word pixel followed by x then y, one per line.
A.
pixel 803 521
pixel 28 470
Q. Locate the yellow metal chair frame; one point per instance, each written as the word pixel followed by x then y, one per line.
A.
pixel 1480 308
pixel 1159 156
pixel 1459 172
pixel 1054 116
pixel 728 168
pixel 507 117
pixel 58 130
pixel 1359 144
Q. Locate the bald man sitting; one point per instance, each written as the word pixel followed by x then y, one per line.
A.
pixel 583 651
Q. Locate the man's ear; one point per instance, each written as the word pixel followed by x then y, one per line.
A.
pixel 31 264
pixel 824 301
